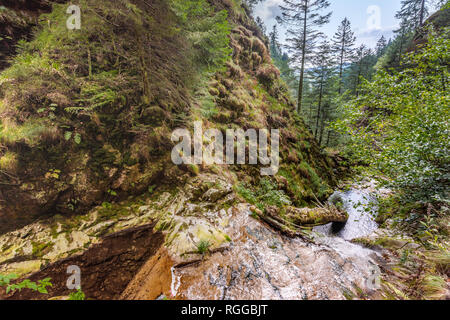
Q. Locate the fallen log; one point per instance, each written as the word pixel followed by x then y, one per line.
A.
pixel 293 222
pixel 312 217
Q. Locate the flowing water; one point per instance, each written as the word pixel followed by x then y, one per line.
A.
pixel 361 208
pixel 262 264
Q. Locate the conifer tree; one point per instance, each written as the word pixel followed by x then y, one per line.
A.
pixel 282 61
pixel 261 25
pixel 275 47
pixel 343 41
pixel 303 17
pixel 360 66
pixel 381 46
pixel 413 13
pixel 404 35
pixel 320 74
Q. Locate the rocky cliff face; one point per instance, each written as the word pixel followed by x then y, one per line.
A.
pixel 89 113
pixel 197 242
pixel 86 121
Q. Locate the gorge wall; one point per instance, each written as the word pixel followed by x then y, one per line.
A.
pixel 86 118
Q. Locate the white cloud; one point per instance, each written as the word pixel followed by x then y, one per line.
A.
pixel 268 10
pixel 370 37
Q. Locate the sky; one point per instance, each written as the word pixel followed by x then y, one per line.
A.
pixel 370 19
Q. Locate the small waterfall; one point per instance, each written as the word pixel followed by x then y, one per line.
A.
pixel 361 208
pixel 175 285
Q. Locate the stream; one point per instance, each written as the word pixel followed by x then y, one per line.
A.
pixel 361 208
pixel 262 264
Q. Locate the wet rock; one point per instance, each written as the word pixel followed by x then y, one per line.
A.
pixel 153 281
pixel 106 267
pixel 244 258
pixel 262 264
pixel 213 194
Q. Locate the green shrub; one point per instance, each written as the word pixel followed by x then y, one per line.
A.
pixel 207 31
pixel 8 162
pixel 265 194
pixel 77 295
pixel 40 286
pixel 399 124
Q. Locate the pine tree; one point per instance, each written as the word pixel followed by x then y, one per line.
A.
pixel 343 41
pixel 404 35
pixel 320 77
pixel 303 17
pixel 381 46
pixel 275 47
pixel 361 66
pixel 261 25
pixel 412 16
pixel 413 13
pixel 282 61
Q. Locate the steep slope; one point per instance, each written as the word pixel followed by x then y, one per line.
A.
pixel 89 113
pixel 438 21
pixel 17 18
pixel 85 146
pixel 206 244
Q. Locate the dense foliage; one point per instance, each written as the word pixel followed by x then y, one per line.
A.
pixel 399 123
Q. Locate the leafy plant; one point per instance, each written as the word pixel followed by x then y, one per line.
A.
pixel 207 31
pixel 77 295
pixel 399 124
pixel 203 246
pixel 266 194
pixel 40 286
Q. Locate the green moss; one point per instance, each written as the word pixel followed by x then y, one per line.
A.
pixel 110 211
pixel 54 231
pixel 348 294
pixel 31 132
pixel 164 225
pixel 194 169
pixel 6 247
pixel 40 249
pixel 9 162
pixel 365 242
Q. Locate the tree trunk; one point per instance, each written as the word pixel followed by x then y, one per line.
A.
pixel 342 63
pixel 322 126
pixel 401 47
pixel 319 106
pixel 422 13
pixel 302 70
